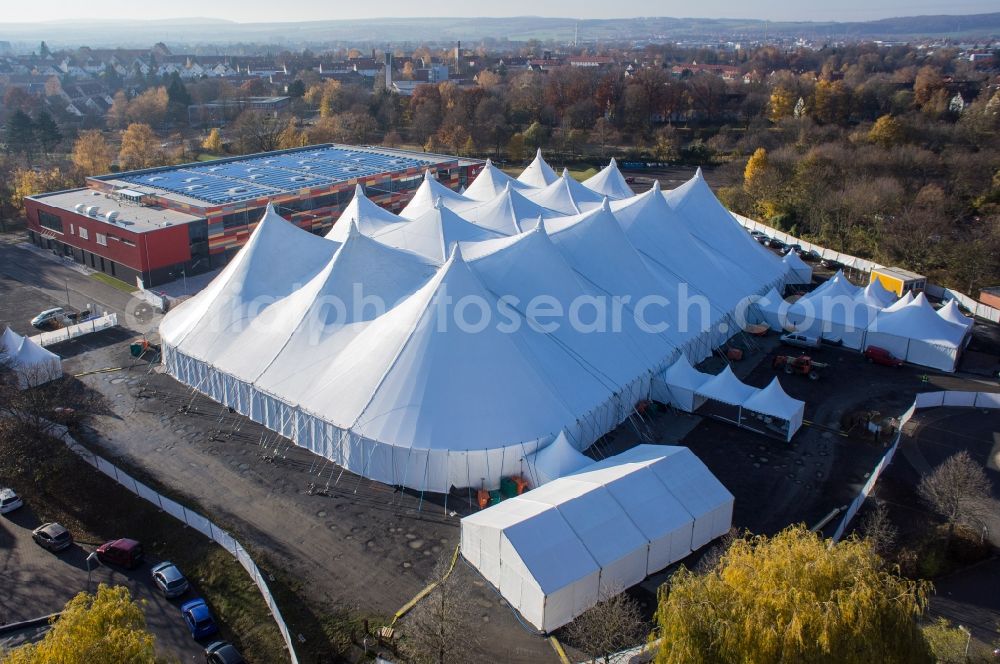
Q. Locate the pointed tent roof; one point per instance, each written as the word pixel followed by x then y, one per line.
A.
pixel 660 234
pixel 682 374
pixel 10 342
pixel 901 302
pixel 566 196
pixel 505 212
pixel 557 459
pixel 951 313
pixel 918 320
pixel 295 333
pixel 260 273
pixel 370 217
pixel 795 263
pixel 427 195
pixel 434 233
pixel 411 381
pixel 538 173
pixel 710 221
pixel 529 267
pixel 880 293
pixel 727 388
pixel 871 297
pixel 35 365
pixel 595 245
pixel 773 400
pixel 490 182
pixel 610 182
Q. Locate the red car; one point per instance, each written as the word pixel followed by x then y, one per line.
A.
pixel 123 552
pixel 877 355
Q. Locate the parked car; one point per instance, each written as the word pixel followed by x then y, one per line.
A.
pixel 800 340
pixel 877 355
pixel 58 317
pixel 122 552
pixel 9 501
pixel 198 618
pixel 810 255
pixel 789 248
pixel 628 180
pixel 221 652
pixel 52 536
pixel 831 264
pixel 759 236
pixel 169 580
pixel 775 243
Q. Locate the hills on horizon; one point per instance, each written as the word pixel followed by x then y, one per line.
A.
pixel 197 30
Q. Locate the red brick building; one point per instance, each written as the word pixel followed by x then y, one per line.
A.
pixel 155 224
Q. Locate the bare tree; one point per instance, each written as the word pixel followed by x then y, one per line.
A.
pixel 959 491
pixel 710 559
pixel 256 131
pixel 878 527
pixel 442 628
pixel 612 625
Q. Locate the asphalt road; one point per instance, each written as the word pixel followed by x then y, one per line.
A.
pixel 35 583
pixel 53 280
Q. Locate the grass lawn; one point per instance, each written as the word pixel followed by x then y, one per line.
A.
pixel 207 156
pixel 114 283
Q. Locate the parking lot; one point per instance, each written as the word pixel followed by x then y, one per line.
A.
pixel 36 583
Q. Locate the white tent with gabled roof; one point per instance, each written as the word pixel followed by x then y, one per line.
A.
pixel 490 182
pixel 916 333
pixel 610 182
pixel 951 313
pixel 370 217
pixel 538 173
pixel 678 383
pixel 799 271
pixel 771 411
pixel 557 459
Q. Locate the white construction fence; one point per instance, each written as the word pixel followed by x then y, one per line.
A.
pixel 78 330
pixel 923 400
pixel 977 308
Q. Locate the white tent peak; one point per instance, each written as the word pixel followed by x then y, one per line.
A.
pixel 609 182
pixel 538 173
pixel 951 313
pixel 606 204
pixel 359 191
pixel 698 174
pixel 656 185
pixel 613 163
pixel 354 231
pixel 433 233
pixel 456 254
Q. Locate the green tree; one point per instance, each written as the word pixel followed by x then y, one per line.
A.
pixel 19 133
pixel 177 92
pixel 44 52
pixel 47 131
pixel 296 89
pixel 792 597
pixel 106 627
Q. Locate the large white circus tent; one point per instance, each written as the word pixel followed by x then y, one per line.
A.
pixel 337 342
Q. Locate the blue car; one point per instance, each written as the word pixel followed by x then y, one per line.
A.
pixel 198 618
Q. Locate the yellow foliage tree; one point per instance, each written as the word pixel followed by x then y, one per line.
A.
pixel 106 627
pixel 755 169
pixel 91 153
pixel 515 147
pixel 140 148
pixel 117 115
pixel 792 597
pixel 781 104
pixel 213 142
pixel 150 107
pixel 28 182
pixel 886 132
pixel 291 137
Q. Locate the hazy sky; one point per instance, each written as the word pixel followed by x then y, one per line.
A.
pixel 297 10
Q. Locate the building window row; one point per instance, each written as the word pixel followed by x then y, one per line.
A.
pixel 83 233
pixel 50 221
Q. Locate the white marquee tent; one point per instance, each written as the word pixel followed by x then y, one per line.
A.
pixel 678 384
pixel 951 313
pixel 538 174
pixel 490 182
pixel 340 350
pixel 32 364
pixel 917 334
pixel 772 411
pixel 555 460
pixel 552 550
pixel 799 272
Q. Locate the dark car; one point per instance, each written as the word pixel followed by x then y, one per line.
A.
pixel 789 248
pixel 220 652
pixel 831 264
pixel 877 355
pixel 122 552
pixel 629 180
pixel 52 536
pixel 775 243
pixel 810 255
pixel 198 618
